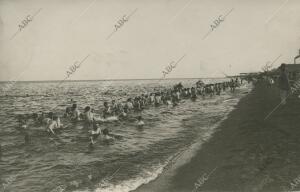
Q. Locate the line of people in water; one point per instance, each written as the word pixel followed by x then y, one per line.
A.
pixel 114 110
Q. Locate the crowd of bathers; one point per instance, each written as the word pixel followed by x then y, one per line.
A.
pixel 113 111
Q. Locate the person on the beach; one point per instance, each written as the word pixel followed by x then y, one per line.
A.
pixel 223 86
pixel 219 89
pixel 237 82
pixel 232 85
pixel 271 81
pixel 283 84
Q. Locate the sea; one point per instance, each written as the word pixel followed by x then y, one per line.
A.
pixel 65 162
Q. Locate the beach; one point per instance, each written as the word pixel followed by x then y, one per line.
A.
pixel 246 152
pixel 149 96
pixel 220 143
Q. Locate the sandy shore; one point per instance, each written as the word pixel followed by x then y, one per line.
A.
pixel 246 153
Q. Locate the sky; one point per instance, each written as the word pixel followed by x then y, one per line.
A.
pixel 158 32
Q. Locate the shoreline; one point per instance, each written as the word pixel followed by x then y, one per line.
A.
pixel 246 152
pixel 163 181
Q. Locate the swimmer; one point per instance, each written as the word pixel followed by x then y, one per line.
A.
pixel 174 100
pixel 50 127
pixel 157 99
pixel 122 113
pixel 106 134
pixel 95 133
pixel 140 123
pixel 169 102
pixel 35 117
pixel 121 110
pixel 68 112
pixel 178 95
pixel 75 113
pixel 137 104
pixel 88 115
pixel 114 107
pixel 55 124
pixel 47 120
pixel 152 98
pixel 40 117
pixel 107 110
pixel 129 104
pixel 59 124
pixel 193 94
pixel 22 122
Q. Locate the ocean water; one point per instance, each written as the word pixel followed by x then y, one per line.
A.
pixel 137 156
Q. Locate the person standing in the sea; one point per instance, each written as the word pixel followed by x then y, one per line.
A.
pixel 283 84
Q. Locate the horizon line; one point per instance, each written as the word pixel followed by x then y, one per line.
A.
pixel 1 81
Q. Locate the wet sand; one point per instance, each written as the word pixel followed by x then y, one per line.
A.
pixel 246 153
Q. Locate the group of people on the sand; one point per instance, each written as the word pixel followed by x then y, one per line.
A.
pixel 115 110
pixel 282 80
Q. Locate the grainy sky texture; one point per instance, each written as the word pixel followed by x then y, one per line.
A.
pixel 160 31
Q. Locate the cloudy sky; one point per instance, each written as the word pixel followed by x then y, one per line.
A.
pixel 159 32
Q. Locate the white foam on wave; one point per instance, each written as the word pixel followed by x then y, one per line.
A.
pixel 131 184
pixel 149 175
pixel 232 99
pixel 134 183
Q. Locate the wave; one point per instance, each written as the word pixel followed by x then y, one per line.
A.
pixel 148 175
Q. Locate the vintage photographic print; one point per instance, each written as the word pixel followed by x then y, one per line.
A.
pixel 150 95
